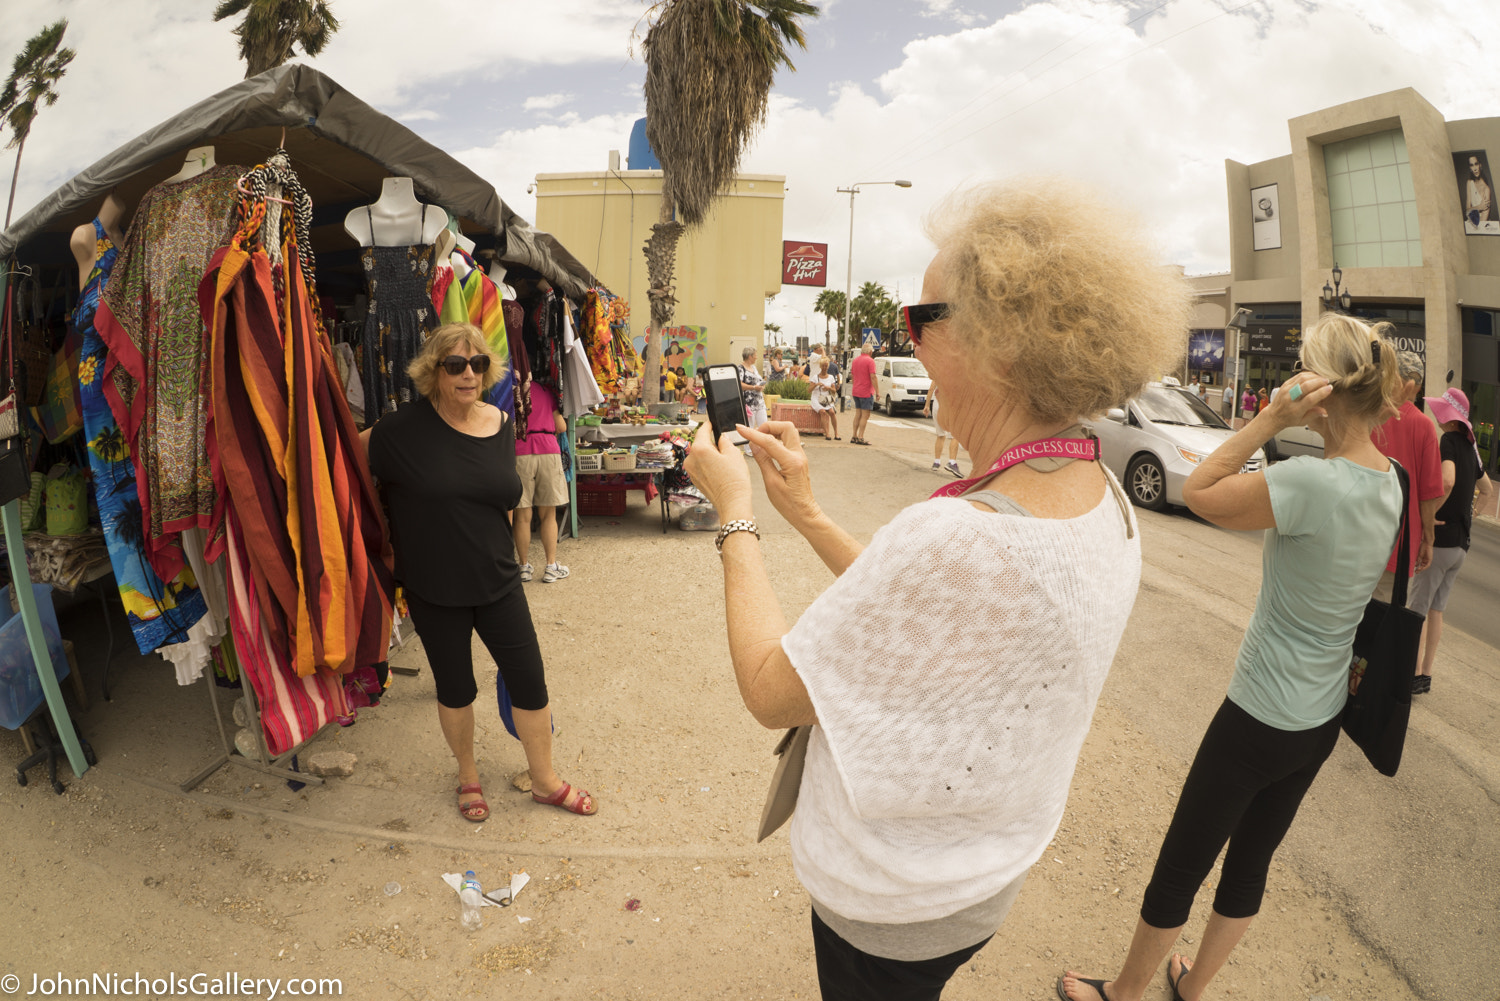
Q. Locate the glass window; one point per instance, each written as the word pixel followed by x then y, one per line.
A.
pixel 1372 202
pixel 909 368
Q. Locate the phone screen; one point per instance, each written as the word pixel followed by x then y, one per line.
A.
pixel 726 401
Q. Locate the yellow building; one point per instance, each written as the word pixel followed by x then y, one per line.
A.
pixel 725 270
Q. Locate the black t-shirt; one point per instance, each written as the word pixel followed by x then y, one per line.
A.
pixel 448 493
pixel 1457 512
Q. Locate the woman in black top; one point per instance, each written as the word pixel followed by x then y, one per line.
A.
pixel 1462 475
pixel 446 464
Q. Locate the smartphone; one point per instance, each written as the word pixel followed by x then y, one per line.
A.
pixel 726 402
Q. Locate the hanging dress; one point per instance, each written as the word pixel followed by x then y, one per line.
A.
pixel 160 614
pixel 399 317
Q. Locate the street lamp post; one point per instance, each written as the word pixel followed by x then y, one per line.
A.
pixel 1339 302
pixel 851 191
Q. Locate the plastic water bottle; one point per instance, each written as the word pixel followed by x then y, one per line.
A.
pixel 470 897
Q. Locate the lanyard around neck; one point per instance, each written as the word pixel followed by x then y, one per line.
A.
pixel 1043 448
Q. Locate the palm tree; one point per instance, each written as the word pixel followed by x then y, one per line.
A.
pixel 272 27
pixel 37 68
pixel 709 69
pixel 830 305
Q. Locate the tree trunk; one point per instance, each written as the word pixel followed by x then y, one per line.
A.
pixel 13 178
pixel 661 257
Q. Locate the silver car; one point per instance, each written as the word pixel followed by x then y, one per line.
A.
pixel 1156 440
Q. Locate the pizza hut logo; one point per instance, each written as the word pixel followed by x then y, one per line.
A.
pixel 804 263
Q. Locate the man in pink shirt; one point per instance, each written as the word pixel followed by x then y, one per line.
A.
pixel 1411 440
pixel 862 386
pixel 543 486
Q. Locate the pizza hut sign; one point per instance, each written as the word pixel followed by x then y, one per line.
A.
pixel 804 263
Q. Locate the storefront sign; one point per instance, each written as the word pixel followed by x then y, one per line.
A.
pixel 1206 350
pixel 804 263
pixel 1274 339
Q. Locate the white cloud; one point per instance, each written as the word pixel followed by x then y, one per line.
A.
pixel 420 115
pixel 546 102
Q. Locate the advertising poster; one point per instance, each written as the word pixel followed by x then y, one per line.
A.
pixel 684 348
pixel 1476 193
pixel 804 263
pixel 1206 350
pixel 1265 217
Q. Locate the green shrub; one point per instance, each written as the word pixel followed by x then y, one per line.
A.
pixel 789 389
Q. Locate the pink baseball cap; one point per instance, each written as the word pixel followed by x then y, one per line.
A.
pixel 1451 406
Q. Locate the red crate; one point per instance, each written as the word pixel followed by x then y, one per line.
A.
pixel 606 502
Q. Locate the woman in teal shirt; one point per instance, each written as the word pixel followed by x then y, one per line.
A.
pixel 1330 526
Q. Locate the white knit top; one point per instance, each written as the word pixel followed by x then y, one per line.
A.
pixel 954 667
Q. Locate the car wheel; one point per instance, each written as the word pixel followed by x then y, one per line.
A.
pixel 890 408
pixel 1146 483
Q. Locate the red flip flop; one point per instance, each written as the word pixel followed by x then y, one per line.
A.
pixel 475 811
pixel 560 799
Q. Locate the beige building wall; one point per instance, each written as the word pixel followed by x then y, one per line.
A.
pixel 726 268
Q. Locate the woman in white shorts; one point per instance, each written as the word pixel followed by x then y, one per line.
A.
pixel 930 408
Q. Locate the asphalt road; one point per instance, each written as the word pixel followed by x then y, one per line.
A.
pixel 1475 601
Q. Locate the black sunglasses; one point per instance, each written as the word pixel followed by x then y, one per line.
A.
pixel 455 364
pixel 920 315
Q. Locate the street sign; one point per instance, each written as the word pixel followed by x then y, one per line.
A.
pixel 871 334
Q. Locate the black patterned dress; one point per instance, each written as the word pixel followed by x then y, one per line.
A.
pixel 401 313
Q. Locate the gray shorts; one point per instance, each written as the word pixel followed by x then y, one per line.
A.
pixel 1430 588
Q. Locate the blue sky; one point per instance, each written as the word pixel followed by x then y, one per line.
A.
pixel 1143 101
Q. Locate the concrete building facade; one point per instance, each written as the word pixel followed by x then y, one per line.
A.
pixel 725 270
pixel 1402 203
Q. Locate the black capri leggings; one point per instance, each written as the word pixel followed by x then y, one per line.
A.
pixel 1245 786
pixel 505 627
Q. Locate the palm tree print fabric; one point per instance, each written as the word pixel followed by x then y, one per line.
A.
pixel 159 613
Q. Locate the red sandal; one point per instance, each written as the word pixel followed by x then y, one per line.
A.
pixel 475 811
pixel 560 799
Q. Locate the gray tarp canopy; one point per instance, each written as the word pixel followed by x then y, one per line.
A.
pixel 341 148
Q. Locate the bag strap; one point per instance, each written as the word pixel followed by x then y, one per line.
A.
pixel 1403 542
pixel 9 336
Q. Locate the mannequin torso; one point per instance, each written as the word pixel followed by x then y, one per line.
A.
pixel 198 160
pixel 85 243
pixel 397 219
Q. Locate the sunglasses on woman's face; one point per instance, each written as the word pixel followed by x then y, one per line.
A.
pixel 455 364
pixel 920 315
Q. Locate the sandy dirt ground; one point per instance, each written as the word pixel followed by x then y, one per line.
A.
pixel 1385 890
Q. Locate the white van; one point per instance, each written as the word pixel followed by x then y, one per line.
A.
pixel 900 382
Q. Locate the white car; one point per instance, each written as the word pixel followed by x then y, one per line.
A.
pixel 900 382
pixel 1297 441
pixel 1154 442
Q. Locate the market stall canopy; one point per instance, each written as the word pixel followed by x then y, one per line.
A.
pixel 341 148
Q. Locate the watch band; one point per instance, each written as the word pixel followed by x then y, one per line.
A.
pixel 729 528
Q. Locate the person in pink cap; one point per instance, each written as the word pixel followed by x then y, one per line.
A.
pixel 1462 474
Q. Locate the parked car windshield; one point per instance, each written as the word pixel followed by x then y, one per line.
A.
pixel 908 368
pixel 1163 405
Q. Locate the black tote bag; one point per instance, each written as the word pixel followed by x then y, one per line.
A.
pixel 1385 662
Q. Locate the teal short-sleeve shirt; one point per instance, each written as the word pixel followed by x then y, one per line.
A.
pixel 1336 524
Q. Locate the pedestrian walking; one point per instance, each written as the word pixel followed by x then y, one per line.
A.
pixel 930 408
pixel 1410 438
pixel 543 484
pixel 1462 473
pixel 1328 522
pixel 937 772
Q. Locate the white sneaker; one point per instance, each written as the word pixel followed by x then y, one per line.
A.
pixel 525 573
pixel 554 571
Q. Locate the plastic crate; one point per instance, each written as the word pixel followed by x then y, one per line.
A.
pixel 606 502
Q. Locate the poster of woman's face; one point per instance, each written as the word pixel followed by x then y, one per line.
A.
pixel 1476 193
pixel 1265 217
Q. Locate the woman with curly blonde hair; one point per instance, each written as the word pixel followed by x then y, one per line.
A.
pixel 938 767
pixel 446 464
pixel 1330 524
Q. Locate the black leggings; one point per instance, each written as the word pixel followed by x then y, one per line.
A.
pixel 846 973
pixel 1245 786
pixel 505 627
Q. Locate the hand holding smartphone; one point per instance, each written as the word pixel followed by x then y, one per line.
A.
pixel 726 402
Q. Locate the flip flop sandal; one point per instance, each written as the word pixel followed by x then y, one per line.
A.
pixel 1097 985
pixel 1182 969
pixel 475 811
pixel 560 799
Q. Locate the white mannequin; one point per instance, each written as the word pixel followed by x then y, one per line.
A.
pixel 84 240
pixel 397 217
pixel 497 275
pixel 198 160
